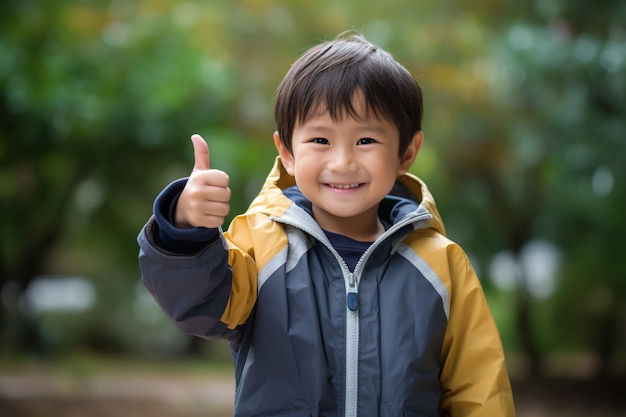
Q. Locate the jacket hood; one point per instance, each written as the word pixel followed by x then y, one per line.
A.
pixel 272 201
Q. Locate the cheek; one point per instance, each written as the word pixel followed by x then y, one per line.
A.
pixel 303 171
pixel 385 163
pixel 304 163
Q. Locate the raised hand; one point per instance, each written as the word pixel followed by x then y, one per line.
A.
pixel 204 200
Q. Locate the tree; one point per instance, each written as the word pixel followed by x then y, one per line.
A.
pixel 524 130
pixel 546 165
pixel 93 109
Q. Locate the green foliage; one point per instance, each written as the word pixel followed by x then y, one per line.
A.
pixel 524 121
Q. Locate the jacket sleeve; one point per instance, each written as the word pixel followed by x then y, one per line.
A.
pixel 191 276
pixel 474 375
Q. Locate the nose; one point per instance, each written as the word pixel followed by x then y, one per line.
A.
pixel 342 159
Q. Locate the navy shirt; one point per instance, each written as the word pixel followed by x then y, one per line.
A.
pixel 349 249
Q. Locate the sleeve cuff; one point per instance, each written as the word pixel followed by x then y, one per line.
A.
pixel 172 238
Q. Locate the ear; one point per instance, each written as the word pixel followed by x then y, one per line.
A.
pixel 286 156
pixel 407 159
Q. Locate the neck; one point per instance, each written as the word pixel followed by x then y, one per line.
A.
pixel 362 228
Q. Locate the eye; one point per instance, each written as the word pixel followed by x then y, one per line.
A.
pixel 320 141
pixel 365 141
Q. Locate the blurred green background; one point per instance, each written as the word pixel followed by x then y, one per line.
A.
pixel 525 124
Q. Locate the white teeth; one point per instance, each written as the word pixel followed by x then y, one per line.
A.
pixel 344 187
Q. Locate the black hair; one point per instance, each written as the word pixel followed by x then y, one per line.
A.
pixel 326 77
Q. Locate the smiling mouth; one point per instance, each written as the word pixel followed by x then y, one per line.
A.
pixel 344 186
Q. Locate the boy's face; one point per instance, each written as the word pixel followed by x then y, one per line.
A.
pixel 346 167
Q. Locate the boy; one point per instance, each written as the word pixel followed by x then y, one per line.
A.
pixel 337 289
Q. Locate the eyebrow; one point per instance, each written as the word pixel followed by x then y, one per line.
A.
pixel 373 128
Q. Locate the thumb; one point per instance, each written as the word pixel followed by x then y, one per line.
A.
pixel 200 153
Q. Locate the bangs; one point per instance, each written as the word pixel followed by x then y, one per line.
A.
pixel 334 91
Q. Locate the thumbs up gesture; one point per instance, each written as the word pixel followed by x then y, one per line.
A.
pixel 204 200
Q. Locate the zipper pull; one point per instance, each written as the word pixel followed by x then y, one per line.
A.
pixel 352 298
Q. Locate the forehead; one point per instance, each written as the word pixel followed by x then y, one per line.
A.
pixel 358 118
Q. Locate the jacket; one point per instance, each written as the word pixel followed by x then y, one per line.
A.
pixel 407 333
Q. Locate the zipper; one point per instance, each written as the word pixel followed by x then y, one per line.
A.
pixel 352 302
pixel 352 298
pixel 352 348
